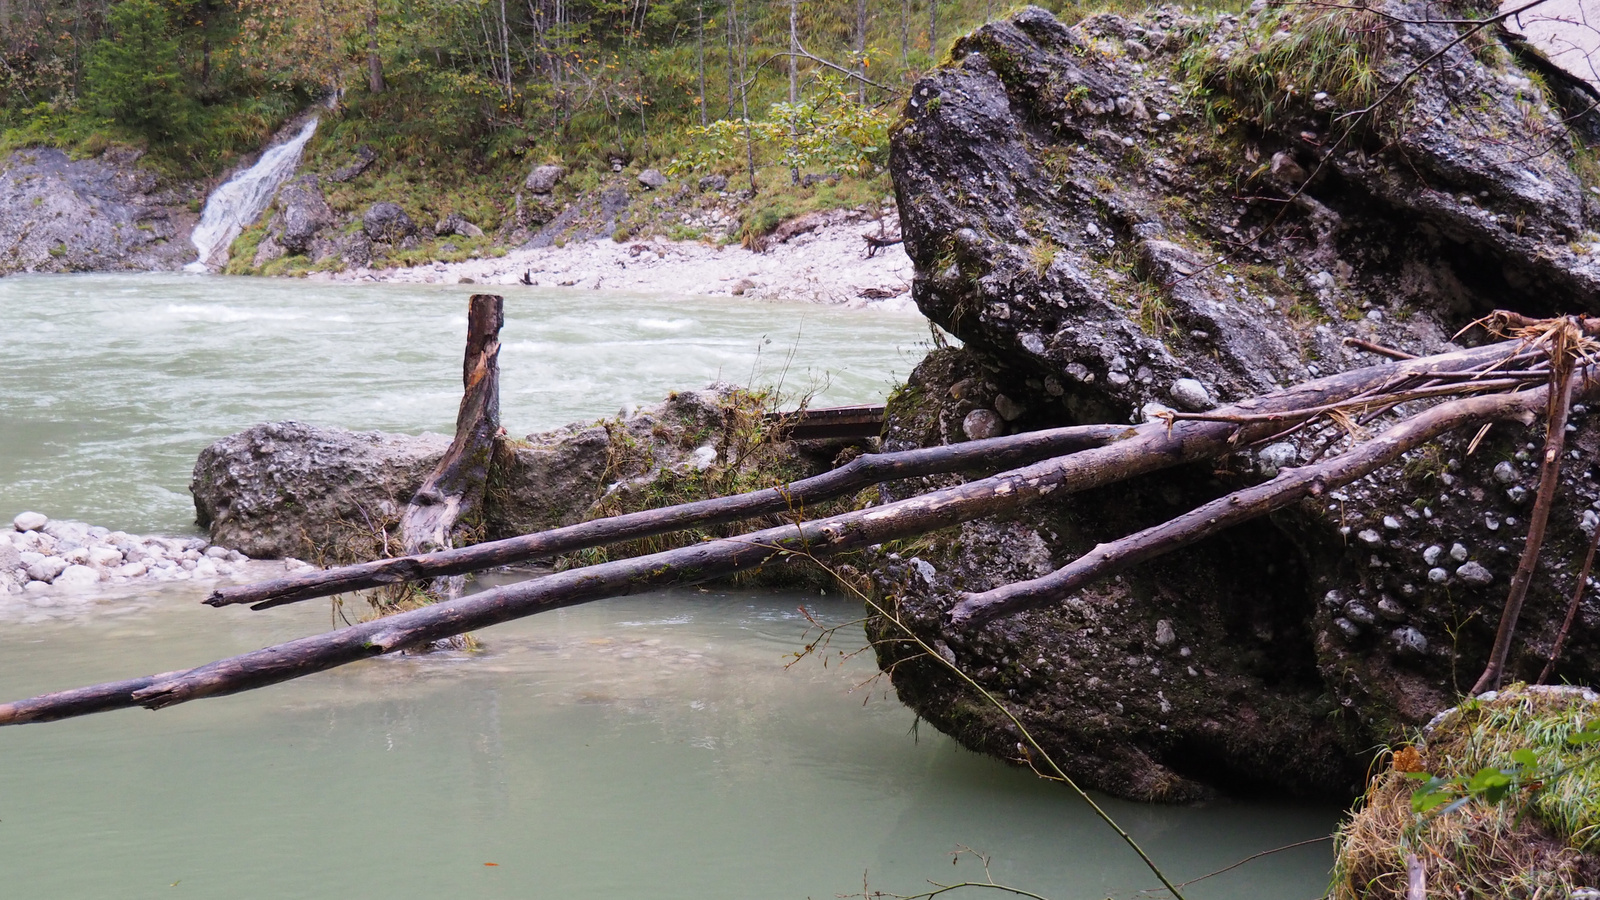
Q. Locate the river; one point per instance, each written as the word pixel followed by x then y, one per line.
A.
pixel 655 746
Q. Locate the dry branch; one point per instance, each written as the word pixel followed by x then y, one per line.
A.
pixel 1290 486
pixel 992 453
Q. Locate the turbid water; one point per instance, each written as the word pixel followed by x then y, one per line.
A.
pixel 649 747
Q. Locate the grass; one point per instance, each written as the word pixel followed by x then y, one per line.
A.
pixel 1537 845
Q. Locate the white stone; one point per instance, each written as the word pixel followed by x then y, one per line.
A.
pixel 1164 633
pixel 1458 553
pixel 104 557
pixel 222 552
pixel 1505 472
pixel 1473 573
pixel 77 577
pixel 47 569
pixel 29 521
pixel 1191 395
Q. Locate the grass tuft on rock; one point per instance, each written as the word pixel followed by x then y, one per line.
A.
pixel 1542 840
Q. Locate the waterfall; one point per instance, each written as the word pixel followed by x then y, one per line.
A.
pixel 241 200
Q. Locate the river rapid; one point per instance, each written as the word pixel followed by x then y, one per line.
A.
pixel 655 746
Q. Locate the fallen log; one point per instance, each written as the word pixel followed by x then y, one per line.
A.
pixel 454 490
pixel 1266 415
pixel 865 470
pixel 1148 448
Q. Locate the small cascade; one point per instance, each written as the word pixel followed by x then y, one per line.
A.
pixel 241 200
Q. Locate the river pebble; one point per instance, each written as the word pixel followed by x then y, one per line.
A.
pixel 42 555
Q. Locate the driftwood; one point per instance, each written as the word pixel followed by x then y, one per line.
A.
pixel 1143 449
pixel 993 453
pixel 453 491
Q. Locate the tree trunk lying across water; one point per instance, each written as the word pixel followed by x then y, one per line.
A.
pixel 1146 448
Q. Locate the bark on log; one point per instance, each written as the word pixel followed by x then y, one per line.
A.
pixel 454 490
pixel 1148 448
pixel 1290 486
pixel 1266 413
pixel 992 453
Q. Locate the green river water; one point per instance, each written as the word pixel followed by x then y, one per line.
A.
pixel 655 746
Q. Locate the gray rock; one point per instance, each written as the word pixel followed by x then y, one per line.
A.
pixel 29 521
pixel 357 251
pixel 1009 409
pixel 304 213
pixel 47 568
pixel 77 577
pixel 365 157
pixel 1505 472
pixel 1391 611
pixel 1189 394
pixel 1433 554
pixel 1368 536
pixel 1356 612
pixel 982 423
pixel 1437 575
pixel 652 179
pixel 98 214
pixel 543 179
pixel 290 489
pixel 1474 573
pixel 1349 629
pixel 387 223
pixel 1164 633
pixel 1277 456
pixel 713 184
pixel 1409 641
pixel 455 223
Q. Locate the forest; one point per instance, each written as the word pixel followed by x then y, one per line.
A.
pixel 463 93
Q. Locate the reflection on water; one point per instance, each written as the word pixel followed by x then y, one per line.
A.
pixel 648 747
pixel 110 385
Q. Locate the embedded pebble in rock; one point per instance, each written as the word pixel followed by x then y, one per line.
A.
pixel 1277 456
pixel 1359 614
pixel 1458 553
pixel 1391 523
pixel 29 521
pixel 1473 573
pixel 1348 628
pixel 1164 633
pixel 1191 395
pixel 1409 641
pixel 982 423
pixel 1368 536
pixel 1505 472
pixel 1009 409
pixel 1438 575
pixel 1432 554
pixel 1391 610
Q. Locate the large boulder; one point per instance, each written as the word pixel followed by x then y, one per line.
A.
pixel 290 489
pixel 387 223
pixel 543 179
pixel 330 495
pixel 1100 246
pixel 304 213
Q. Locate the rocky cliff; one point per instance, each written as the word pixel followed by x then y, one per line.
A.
pixel 1128 214
pixel 103 214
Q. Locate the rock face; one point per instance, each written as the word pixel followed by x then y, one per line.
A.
pixel 329 495
pixel 1102 249
pixel 100 214
pixel 304 213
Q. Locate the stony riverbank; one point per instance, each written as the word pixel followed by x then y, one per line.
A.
pixel 44 557
pixel 821 258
